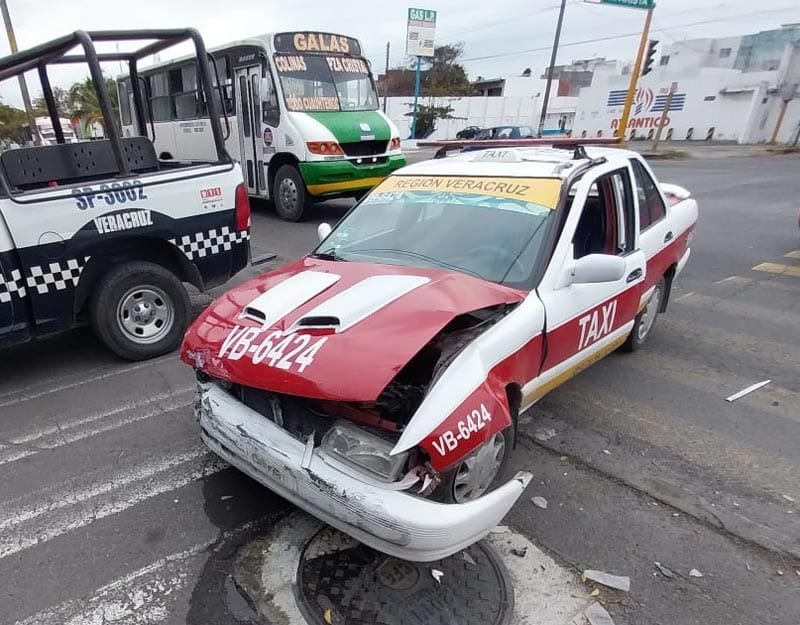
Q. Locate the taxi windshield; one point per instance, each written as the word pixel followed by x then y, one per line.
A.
pixel 315 82
pixel 491 228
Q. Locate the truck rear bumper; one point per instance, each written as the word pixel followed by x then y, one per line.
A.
pixel 394 522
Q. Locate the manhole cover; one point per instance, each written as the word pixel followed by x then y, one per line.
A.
pixel 342 582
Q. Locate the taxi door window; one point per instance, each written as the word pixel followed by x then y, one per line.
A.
pixel 605 223
pixel 651 206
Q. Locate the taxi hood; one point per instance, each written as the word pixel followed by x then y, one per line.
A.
pixel 331 330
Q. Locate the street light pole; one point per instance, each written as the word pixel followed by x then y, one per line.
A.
pixel 416 98
pixel 23 87
pixel 552 66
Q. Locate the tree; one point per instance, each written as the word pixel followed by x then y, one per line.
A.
pixel 11 122
pixel 85 104
pixel 442 75
pixel 427 116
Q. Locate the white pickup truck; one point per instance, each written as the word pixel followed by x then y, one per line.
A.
pixel 378 381
pixel 104 231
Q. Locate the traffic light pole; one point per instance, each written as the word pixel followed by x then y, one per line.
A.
pixel 637 68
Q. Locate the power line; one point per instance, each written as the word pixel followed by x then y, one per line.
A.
pixel 635 34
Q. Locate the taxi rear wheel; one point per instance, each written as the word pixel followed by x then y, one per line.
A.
pixel 139 310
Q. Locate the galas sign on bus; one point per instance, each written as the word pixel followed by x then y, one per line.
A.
pixel 420 32
pixel 647 106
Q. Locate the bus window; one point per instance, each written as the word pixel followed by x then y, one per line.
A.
pixel 270 109
pixel 124 103
pixel 245 108
pixel 256 82
pixel 160 98
pixel 186 101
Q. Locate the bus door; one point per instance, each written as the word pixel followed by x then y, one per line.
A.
pixel 248 113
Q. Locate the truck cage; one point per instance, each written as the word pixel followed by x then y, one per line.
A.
pixel 129 155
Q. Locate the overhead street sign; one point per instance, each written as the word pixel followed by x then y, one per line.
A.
pixel 631 4
pixel 420 32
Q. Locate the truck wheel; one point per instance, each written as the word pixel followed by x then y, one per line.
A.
pixel 289 193
pixel 139 310
pixel 480 472
pixel 645 319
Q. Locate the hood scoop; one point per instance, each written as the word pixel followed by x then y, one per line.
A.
pixel 274 304
pixel 346 309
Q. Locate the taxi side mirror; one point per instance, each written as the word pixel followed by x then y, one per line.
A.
pixel 323 230
pixel 595 268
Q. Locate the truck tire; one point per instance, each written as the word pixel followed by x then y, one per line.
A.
pixel 646 319
pixel 480 473
pixel 139 310
pixel 289 193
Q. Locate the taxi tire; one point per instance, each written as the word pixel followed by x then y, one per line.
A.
pixel 289 172
pixel 112 287
pixel 444 492
pixel 634 342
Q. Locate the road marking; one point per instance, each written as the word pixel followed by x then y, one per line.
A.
pixel 724 280
pixel 685 295
pixel 793 254
pixel 45 527
pixel 69 385
pixel 739 308
pixel 68 432
pixel 68 493
pixel 784 270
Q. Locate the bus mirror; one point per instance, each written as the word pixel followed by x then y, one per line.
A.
pixel 323 230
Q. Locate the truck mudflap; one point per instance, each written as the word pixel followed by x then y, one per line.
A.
pixel 392 521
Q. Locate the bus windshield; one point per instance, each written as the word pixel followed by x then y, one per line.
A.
pixel 315 82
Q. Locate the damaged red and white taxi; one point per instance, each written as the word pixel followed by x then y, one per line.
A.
pixel 377 382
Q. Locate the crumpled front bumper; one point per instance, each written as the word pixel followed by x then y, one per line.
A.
pixel 394 522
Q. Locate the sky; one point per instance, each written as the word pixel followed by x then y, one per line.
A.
pixel 501 37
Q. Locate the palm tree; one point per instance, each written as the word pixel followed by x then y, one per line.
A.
pixel 85 104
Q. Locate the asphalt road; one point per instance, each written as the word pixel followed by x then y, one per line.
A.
pixel 111 511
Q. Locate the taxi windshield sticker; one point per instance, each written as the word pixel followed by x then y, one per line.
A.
pixel 530 194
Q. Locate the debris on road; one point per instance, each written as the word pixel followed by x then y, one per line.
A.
pixel 328 616
pixel 787 498
pixel 520 552
pixel 437 575
pixel 605 451
pixel 544 434
pixel 468 558
pixel 226 497
pixel 500 529
pixel 595 592
pixel 539 502
pixel 780 572
pixel 620 582
pixel 748 390
pixel 664 570
pixel 695 573
pixel 598 615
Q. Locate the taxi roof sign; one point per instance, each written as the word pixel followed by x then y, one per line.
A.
pixel 498 156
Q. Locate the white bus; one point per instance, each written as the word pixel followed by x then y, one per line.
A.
pixel 45 127
pixel 301 111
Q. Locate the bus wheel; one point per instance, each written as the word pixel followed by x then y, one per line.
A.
pixel 139 310
pixel 289 193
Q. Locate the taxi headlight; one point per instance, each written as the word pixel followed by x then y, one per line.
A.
pixel 364 450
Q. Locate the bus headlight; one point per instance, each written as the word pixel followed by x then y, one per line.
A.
pixel 325 148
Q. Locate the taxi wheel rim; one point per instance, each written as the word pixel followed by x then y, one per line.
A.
pixel 477 472
pixel 649 314
pixel 145 314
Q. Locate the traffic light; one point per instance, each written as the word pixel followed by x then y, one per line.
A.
pixel 649 56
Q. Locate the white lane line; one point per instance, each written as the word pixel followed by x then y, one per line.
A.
pixel 141 597
pixel 71 431
pixel 46 527
pixel 70 492
pixel 16 397
pixel 729 278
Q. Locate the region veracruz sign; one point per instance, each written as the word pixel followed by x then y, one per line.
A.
pixel 420 32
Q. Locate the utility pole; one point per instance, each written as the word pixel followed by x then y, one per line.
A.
pixel 662 122
pixel 552 66
pixel 386 78
pixel 626 112
pixel 23 87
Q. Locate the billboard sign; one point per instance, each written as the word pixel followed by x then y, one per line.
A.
pixel 421 28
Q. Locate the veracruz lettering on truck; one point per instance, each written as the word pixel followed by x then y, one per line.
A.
pixel 123 221
pixel 274 350
pixel 597 324
pixel 462 430
pixel 115 193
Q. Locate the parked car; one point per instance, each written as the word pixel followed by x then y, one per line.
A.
pixel 377 382
pixel 506 132
pixel 468 133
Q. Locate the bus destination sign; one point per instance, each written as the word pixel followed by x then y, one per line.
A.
pixel 316 42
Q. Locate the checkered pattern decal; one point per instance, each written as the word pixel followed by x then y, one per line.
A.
pixel 10 285
pixel 214 241
pixel 56 276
